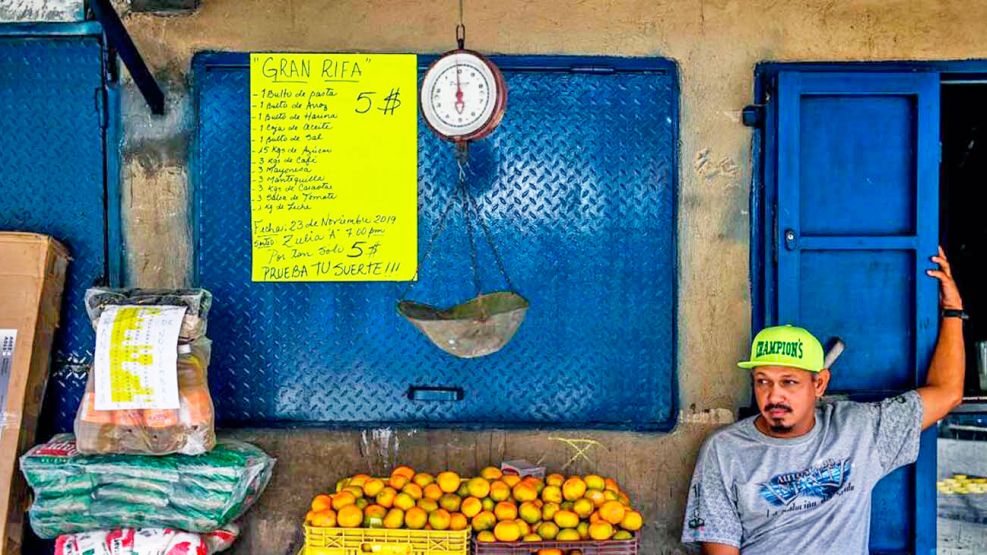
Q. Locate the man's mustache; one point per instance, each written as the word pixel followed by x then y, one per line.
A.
pixel 769 408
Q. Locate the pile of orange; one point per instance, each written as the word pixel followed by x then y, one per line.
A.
pixel 499 507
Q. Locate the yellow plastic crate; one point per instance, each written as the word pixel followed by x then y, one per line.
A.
pixel 360 541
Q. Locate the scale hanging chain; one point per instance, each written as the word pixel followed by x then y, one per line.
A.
pixel 461 28
pixel 493 245
pixel 439 226
pixel 466 202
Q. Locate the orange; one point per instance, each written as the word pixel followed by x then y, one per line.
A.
pixel 471 506
pixel 613 512
pixel 567 535
pixel 548 530
pixel 573 488
pixel 450 502
pixel 524 526
pixel 358 480
pixel 594 481
pixel 531 538
pixel 464 490
pixel 529 512
pixel 554 480
pixel 403 470
pixel 486 536
pixel 511 479
pixel 566 519
pixel 499 491
pixel 325 518
pixel 622 497
pixel 373 487
pixel 428 504
pixel 432 491
pixel 386 497
pixel 583 530
pixel 415 518
pixel 373 516
pixel 601 531
pixel 611 485
pixel 342 499
pixel 524 491
pixel 349 516
pixel 548 511
pixel 357 491
pixel 404 501
pixel 506 510
pixel 362 503
pixel 414 490
pixel 321 502
pixel 458 521
pixel 538 483
pixel 448 481
pixel 632 521
pixel 491 473
pixel 622 535
pixel 485 520
pixel 394 519
pixel 341 483
pixel 423 479
pixel 611 495
pixel 439 519
pixel 488 504
pixel 595 517
pixel 398 481
pixel 478 487
pixel 552 494
pixel 583 507
pixel 551 551
pixel 596 496
pixel 507 531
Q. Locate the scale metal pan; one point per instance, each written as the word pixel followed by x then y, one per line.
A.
pixel 476 328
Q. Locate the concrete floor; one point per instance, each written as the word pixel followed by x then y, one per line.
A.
pixel 957 537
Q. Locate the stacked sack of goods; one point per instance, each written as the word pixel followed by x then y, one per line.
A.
pixel 145 481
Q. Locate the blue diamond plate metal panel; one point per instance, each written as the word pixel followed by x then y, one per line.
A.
pixel 578 186
pixel 52 181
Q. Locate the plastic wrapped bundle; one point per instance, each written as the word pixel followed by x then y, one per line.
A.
pixel 188 430
pixel 80 493
pixel 146 541
pixel 195 301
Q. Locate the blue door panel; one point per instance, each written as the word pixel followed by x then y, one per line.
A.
pixel 854 192
pixel 885 326
pixel 52 181
pixel 578 183
pixel 857 150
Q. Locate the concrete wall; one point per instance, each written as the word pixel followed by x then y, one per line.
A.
pixel 717 44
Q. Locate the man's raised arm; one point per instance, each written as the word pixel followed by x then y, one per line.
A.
pixel 943 389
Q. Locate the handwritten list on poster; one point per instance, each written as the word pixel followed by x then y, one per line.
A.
pixel 334 167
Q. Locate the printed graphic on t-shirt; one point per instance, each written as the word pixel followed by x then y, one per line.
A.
pixel 822 482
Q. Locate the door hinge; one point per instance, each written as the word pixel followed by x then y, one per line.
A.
pixel 753 115
pixel 101 108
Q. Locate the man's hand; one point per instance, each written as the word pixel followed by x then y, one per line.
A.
pixel 944 385
pixel 949 294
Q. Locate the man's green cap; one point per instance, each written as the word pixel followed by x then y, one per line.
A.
pixel 785 346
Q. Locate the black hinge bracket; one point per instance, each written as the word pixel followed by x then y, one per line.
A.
pixel 119 41
pixel 753 115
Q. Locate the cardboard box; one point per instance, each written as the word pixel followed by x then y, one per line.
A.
pixel 32 275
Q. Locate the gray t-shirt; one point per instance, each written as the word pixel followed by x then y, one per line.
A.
pixel 810 494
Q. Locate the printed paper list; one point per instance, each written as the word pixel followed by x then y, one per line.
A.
pixel 334 167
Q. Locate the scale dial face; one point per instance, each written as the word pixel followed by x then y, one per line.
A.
pixel 463 96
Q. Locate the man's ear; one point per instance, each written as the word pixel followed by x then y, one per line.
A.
pixel 821 381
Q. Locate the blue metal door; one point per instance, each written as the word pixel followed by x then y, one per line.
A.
pixel 53 178
pixel 853 189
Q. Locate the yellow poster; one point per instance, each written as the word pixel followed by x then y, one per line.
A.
pixel 334 167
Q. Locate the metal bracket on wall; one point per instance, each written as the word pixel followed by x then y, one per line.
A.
pixel 120 42
pixel 753 115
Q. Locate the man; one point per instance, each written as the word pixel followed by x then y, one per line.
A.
pixel 797 478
